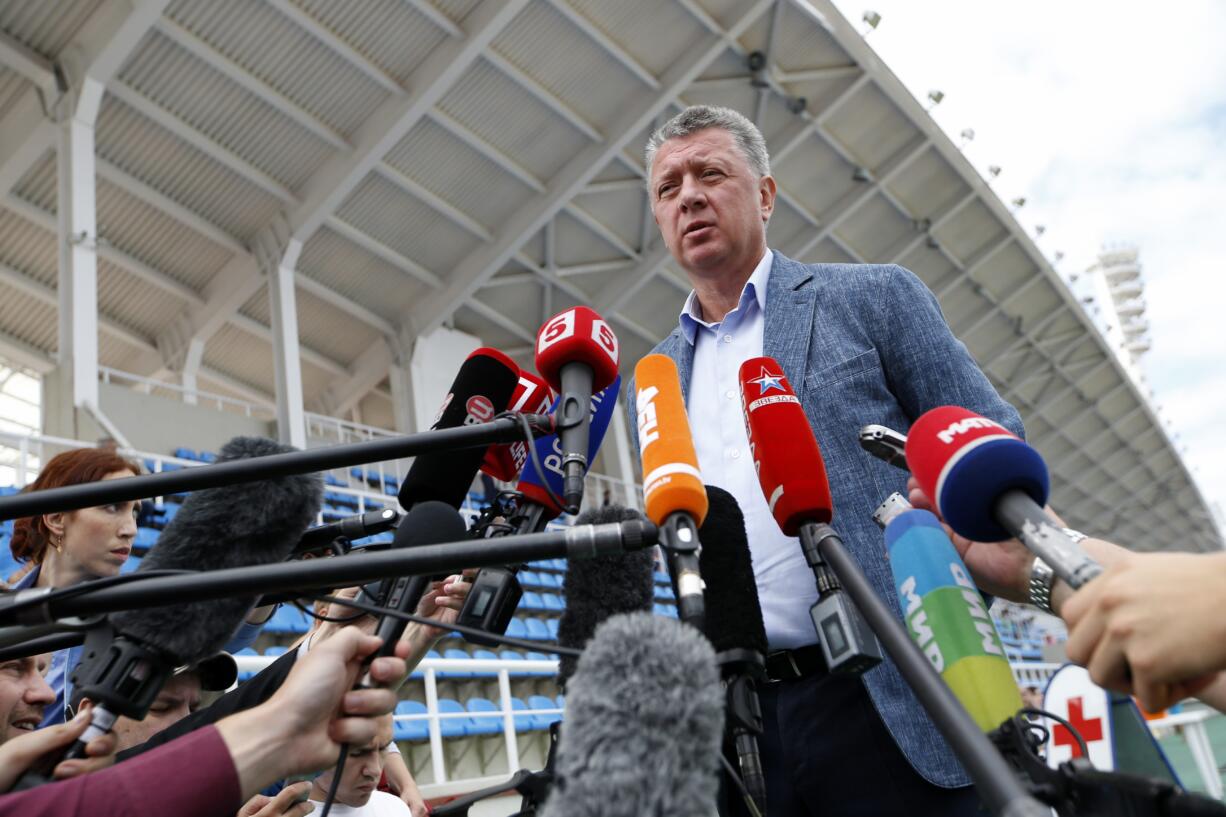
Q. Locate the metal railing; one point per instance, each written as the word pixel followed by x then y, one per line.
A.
pixel 174 391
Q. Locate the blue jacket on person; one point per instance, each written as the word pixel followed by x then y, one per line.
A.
pixel 866 343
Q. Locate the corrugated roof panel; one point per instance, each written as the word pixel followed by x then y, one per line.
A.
pixel 391 33
pixel 162 242
pixel 285 56
pixel 654 33
pixel 28 319
pixel 133 303
pixel 974 228
pixel 178 170
pixel 47 25
pixel 442 164
pixel 39 184
pixel 117 353
pixel 387 214
pixel 620 211
pixel 574 243
pixel 341 265
pixel 875 227
pixel 816 175
pixel 236 119
pixel 491 334
pixel 243 356
pixel 546 46
pixel 502 113
pixel 1012 268
pixel 871 128
pixel 928 185
pixel 331 331
pixel 26 247
pixel 800 42
pixel 786 229
pixel 741 97
pixel 12 86
pixel 457 10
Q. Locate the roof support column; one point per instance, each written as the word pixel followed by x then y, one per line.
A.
pixel 625 465
pixel 78 260
pixel 279 260
pixel 400 376
pixel 191 367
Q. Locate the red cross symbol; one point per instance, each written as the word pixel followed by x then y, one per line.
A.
pixel 1091 729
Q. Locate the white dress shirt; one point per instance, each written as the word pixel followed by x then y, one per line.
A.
pixel 786 587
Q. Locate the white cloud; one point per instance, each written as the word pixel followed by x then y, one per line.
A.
pixel 1110 120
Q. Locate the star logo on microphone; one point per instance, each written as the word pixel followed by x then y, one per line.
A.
pixel 768 381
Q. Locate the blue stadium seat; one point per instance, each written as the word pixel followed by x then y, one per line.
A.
pixel 531 601
pixel 9 490
pixel 452 727
pixel 553 602
pixel 665 592
pixel 666 610
pixel 551 624
pixel 484 723
pixel 523 723
pixel 186 454
pixel 537 631
pixel 145 538
pixel 275 650
pixel 541 702
pixel 517 628
pixel 288 620
pixel 528 578
pixel 208 456
pixel 513 655
pixel 539 656
pixel 455 673
pixel 485 655
pixel 130 565
pixel 411 730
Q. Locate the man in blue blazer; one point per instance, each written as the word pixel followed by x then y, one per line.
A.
pixel 859 344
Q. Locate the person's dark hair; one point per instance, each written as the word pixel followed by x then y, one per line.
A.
pixel 81 465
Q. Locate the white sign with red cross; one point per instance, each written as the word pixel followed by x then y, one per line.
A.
pixel 1086 706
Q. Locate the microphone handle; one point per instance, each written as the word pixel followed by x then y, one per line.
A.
pixel 406 592
pixel 679 538
pixel 1025 519
pixel 750 763
pixel 573 417
pixel 100 723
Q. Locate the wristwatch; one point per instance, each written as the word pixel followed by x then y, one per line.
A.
pixel 1042 578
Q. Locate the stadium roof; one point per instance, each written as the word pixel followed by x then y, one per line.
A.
pixel 478 164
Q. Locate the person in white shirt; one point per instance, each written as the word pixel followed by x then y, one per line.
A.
pixel 357 795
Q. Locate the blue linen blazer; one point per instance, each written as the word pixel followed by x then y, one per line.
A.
pixel 866 343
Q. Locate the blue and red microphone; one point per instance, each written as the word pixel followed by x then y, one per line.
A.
pixel 989 485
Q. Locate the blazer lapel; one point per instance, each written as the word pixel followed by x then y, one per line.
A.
pixel 682 353
pixel 790 301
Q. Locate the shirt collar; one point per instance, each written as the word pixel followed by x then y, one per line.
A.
pixel 755 289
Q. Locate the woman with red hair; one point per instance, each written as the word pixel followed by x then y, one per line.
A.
pixel 70 547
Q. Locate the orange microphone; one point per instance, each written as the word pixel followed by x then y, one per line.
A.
pixel 673 492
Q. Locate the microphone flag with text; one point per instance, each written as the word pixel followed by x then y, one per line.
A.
pixel 673 493
pixel 989 486
pixel 793 479
pixel 533 396
pixel 549 454
pixel 482 388
pixel 577 355
pixel 127 660
pixel 946 615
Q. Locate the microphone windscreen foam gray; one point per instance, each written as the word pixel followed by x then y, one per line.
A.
pixel 643 724
pixel 253 523
pixel 598 588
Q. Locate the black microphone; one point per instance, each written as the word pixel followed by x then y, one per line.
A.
pixel 321 538
pixel 598 588
pixel 428 523
pixel 126 662
pixel 643 725
pixel 734 626
pixel 482 389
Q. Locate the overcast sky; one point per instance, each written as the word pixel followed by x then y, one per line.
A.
pixel 1111 120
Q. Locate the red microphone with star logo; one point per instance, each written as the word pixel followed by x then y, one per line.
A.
pixel 785 452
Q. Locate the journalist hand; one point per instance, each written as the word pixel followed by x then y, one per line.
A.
pixel 20 753
pixel 1157 615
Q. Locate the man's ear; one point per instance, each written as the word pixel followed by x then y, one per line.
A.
pixel 766 196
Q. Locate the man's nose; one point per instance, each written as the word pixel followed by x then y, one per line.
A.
pixel 692 196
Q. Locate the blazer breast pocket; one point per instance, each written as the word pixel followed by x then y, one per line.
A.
pixel 867 361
